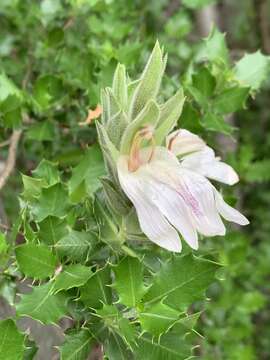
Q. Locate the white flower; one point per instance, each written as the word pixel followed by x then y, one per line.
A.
pixel 173 195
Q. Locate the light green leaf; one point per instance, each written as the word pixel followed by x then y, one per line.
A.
pixel 72 276
pixel 36 261
pixel 77 345
pixel 53 201
pixel 252 69
pixel 150 81
pixel 42 305
pixel 97 291
pixel 116 200
pixel 169 115
pixel 110 152
pixel 32 187
pixel 3 244
pixel 196 4
pixel 48 172
pixel 181 281
pixel 129 281
pixel 120 85
pixel 158 318
pixel 214 122
pixel 11 341
pixel 215 47
pixel 88 171
pixel 258 171
pixel 148 116
pixel 171 346
pixel 76 245
pixel 51 230
pixel 116 126
pixel 231 100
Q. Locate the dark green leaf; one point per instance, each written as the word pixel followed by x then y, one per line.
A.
pixel 77 345
pixel 72 276
pixel 231 100
pixel 51 230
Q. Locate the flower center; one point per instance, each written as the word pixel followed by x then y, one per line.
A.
pixel 146 133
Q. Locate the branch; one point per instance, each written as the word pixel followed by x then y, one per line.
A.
pixel 11 159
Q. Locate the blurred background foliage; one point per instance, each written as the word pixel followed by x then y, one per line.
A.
pixel 54 58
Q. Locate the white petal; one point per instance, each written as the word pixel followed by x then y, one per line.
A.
pixel 228 212
pixel 182 142
pixel 173 207
pixel 205 163
pixel 151 220
pixel 198 195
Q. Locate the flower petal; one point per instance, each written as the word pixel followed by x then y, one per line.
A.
pixel 173 207
pixel 182 142
pixel 205 163
pixel 228 212
pixel 152 222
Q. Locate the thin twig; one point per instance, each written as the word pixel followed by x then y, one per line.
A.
pixel 11 159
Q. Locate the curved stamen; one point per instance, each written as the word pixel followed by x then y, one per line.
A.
pixel 134 157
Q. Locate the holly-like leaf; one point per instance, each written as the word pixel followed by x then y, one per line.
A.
pixel 214 122
pixel 204 81
pixel 96 291
pixel 77 345
pixel 171 346
pixel 48 172
pixel 215 47
pixel 72 276
pixel 129 281
pixel 181 281
pixel 36 261
pixel 88 171
pixel 157 318
pixel 53 201
pixel 231 100
pixel 76 245
pixel 42 305
pixel 11 341
pixel 51 230
pixel 32 187
pixel 252 69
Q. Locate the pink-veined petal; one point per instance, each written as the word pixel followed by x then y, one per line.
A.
pixel 205 163
pixel 173 207
pixel 228 212
pixel 181 142
pixel 152 222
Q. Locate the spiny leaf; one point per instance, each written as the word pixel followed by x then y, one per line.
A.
pixel 11 341
pixel 72 276
pixel 77 345
pixel 231 100
pixel 181 281
pixel 96 291
pixel 129 281
pixel 36 261
pixel 42 305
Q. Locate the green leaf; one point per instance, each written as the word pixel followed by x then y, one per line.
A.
pixel 231 100
pixel 90 168
pixel 215 122
pixel 116 200
pixel 181 281
pixel 51 230
pixel 158 318
pixel 43 131
pixel 53 201
pixel 72 276
pixel 148 116
pixel 97 291
pixel 120 85
pixel 252 69
pixel 32 187
pixel 115 348
pixel 150 81
pixel 258 171
pixel 215 47
pixel 8 88
pixel 11 341
pixel 48 90
pixel 204 81
pixel 76 245
pixel 77 345
pixel 169 115
pixel 171 346
pixel 42 305
pixel 3 244
pixel 36 261
pixel 48 172
pixel 129 281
